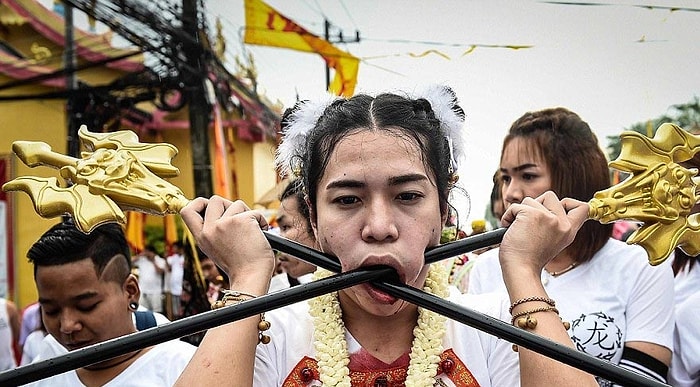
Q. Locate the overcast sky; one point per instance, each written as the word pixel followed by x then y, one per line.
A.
pixel 615 64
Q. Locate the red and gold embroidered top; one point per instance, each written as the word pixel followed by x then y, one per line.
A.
pixel 366 370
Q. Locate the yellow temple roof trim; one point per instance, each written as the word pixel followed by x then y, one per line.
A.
pixel 89 46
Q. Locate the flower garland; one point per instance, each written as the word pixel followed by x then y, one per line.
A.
pixel 331 347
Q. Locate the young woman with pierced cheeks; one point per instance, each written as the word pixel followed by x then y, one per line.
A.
pixel 378 171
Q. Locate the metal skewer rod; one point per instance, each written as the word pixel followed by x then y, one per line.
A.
pixel 473 318
pixel 190 325
pixel 434 254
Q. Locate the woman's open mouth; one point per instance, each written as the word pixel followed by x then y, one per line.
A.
pixel 379 295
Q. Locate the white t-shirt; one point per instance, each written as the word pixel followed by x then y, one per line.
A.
pixel 687 282
pixel 490 360
pixel 177 271
pixel 150 281
pixel 305 278
pixel 32 346
pixel 30 321
pixel 160 366
pixel 614 298
pixel 7 354
pixel 685 365
pixel 278 282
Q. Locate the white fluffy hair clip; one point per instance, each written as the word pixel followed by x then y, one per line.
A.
pixel 443 101
pixel 301 121
pixel 294 137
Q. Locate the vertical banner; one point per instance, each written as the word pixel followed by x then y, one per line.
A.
pixel 6 240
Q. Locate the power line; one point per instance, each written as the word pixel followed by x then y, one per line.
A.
pixel 448 44
pixel 347 12
pixel 646 6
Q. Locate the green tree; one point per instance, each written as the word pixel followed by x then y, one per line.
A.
pixel 687 116
pixel 155 236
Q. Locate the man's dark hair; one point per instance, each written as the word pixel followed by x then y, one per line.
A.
pixel 65 243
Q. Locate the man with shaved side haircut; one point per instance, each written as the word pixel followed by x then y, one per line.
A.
pixel 88 295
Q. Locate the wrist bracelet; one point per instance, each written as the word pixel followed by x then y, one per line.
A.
pixel 238 297
pixel 525 321
pixel 546 300
pixel 529 321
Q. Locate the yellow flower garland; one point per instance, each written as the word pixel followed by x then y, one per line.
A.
pixel 331 347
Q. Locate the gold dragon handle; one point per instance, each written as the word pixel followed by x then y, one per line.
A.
pixel 660 192
pixel 119 173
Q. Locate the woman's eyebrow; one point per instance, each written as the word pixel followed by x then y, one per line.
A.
pixel 345 183
pixel 396 180
pixel 519 167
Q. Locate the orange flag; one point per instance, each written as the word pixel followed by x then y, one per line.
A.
pixel 170 229
pixel 267 27
pixel 222 182
pixel 134 230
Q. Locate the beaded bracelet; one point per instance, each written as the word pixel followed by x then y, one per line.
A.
pixel 530 322
pixel 238 297
pixel 546 300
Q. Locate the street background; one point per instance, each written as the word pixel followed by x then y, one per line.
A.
pixel 615 64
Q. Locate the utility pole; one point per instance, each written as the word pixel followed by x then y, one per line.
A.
pixel 69 64
pixel 338 39
pixel 199 108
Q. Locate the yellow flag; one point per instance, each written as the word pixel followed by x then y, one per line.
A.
pixel 346 69
pixel 267 27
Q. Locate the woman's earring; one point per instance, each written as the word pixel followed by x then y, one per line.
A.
pixel 133 305
pixel 454 178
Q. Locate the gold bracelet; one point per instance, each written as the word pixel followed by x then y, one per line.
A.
pixel 232 295
pixel 546 300
pixel 235 295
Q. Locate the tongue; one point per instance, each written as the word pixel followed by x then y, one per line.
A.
pixel 380 296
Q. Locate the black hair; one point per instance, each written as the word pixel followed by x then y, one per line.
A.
pixel 65 243
pixel 413 119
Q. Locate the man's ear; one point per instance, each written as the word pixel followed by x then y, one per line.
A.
pixel 131 288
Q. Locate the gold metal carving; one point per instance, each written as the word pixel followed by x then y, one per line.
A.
pixel 120 173
pixel 660 193
pixel 116 173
